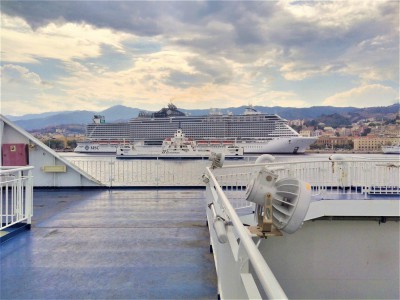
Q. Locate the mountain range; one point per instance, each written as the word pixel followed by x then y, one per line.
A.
pixel 120 113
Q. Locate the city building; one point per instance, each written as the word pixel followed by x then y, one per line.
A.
pixel 373 143
pixel 332 142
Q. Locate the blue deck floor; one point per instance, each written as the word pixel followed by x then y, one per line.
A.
pixel 123 244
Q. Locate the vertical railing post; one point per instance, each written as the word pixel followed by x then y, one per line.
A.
pixel 157 172
pixel 29 197
pixel 1 204
pixel 111 163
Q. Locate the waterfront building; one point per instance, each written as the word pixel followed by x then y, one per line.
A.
pixel 327 141
pixel 305 132
pixel 374 143
pixel 296 122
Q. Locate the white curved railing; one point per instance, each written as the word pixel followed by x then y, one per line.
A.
pixel 264 275
pixel 16 195
pixel 327 177
pixel 115 172
pixel 226 187
pixel 357 178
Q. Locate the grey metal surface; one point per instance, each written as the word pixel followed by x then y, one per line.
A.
pixel 122 244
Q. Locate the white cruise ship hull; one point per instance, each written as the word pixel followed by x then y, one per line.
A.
pixel 290 145
pixel 96 148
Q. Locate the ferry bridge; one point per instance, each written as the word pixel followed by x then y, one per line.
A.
pixel 140 230
pixel 154 243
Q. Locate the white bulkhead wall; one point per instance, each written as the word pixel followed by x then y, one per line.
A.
pixel 40 156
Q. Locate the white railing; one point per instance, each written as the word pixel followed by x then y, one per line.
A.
pixel 16 195
pixel 141 173
pixel 241 269
pixel 245 255
pixel 329 179
pixel 356 176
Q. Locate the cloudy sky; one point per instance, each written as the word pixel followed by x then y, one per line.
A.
pixel 68 55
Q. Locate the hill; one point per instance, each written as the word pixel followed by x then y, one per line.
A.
pixel 120 113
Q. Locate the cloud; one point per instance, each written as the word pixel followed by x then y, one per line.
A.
pixel 202 52
pixel 361 37
pixel 134 17
pixel 66 41
pixel 318 34
pixel 185 80
pixel 219 71
pixel 20 87
pixel 365 96
pixel 14 75
pixel 299 71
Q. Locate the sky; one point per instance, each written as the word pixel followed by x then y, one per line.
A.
pixel 91 55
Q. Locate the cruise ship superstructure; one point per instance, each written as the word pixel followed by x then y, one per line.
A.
pixel 254 131
pixel 102 137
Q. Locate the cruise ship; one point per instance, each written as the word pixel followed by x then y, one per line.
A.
pixel 254 131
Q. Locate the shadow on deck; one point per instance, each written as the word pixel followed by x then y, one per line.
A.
pixel 120 244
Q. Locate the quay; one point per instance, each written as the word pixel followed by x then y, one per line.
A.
pixel 111 244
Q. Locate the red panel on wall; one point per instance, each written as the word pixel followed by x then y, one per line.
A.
pixel 14 155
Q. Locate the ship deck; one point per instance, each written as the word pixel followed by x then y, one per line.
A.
pixel 120 244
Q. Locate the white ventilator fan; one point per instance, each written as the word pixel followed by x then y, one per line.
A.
pixel 282 203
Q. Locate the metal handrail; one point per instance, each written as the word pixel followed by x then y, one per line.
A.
pixel 267 279
pixel 354 159
pixel 356 176
pixel 329 178
pixel 16 191
pixel 8 169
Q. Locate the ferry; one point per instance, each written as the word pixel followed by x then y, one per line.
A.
pixel 254 131
pixel 177 147
pixel 394 149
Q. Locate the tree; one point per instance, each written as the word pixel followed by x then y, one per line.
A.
pixel 366 131
pixel 71 144
pixel 54 143
pixel 297 127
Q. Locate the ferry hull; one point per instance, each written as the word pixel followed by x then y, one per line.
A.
pixel 326 259
pixel 341 259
